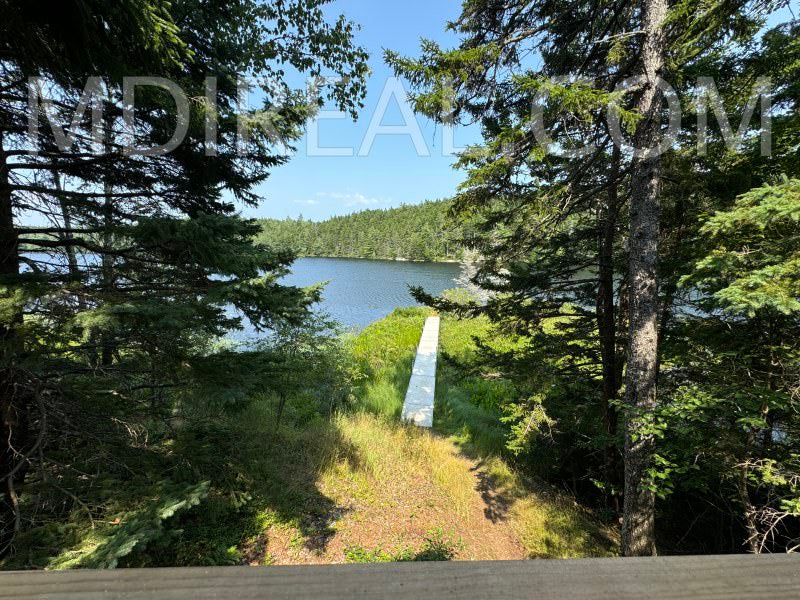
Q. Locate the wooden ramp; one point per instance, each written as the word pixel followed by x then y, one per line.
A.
pixel 418 407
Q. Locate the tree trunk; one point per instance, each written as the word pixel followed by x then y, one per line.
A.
pixel 606 321
pixel 72 260
pixel 748 509
pixel 12 410
pixel 670 288
pixel 638 529
pixel 107 260
pixel 66 217
pixel 751 526
pixel 107 270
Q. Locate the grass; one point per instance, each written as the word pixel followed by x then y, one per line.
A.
pixel 353 486
pixel 548 523
pixel 385 352
pixel 438 546
pixel 362 487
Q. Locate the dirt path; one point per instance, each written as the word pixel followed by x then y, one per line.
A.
pixel 410 496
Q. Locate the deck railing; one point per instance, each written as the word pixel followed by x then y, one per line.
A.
pixel 775 577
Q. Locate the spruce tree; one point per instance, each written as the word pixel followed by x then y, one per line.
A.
pixel 549 213
pixel 142 259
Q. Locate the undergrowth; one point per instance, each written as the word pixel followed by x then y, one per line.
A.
pixel 224 484
pixel 438 546
pixel 468 411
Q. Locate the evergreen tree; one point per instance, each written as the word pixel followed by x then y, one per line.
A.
pixel 144 256
pixel 735 368
pixel 549 212
pixel 411 232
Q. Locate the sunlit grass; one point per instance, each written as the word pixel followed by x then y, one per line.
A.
pixel 385 352
pixel 549 524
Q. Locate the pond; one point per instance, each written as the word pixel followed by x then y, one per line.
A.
pixel 362 291
pixel 359 291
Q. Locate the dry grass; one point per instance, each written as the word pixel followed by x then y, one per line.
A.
pixel 396 492
pixel 400 490
pixel 399 493
pixel 358 486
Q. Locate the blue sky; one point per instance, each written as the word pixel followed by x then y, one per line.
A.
pixel 392 172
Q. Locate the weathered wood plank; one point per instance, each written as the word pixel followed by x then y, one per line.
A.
pixel 418 405
pixel 671 578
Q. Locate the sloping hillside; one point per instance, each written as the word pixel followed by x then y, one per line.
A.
pixel 398 494
pixel 354 485
pixel 387 491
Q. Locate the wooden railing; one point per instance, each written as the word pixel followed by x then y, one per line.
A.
pixel 775 577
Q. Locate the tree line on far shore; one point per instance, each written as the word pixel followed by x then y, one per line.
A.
pixel 410 232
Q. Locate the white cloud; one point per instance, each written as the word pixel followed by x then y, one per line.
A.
pixel 350 199
pixel 307 202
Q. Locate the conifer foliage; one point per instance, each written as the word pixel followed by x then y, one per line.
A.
pixel 584 233
pixel 412 232
pixel 118 267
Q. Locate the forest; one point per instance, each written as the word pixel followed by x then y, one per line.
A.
pixel 650 280
pixel 411 232
pixel 621 376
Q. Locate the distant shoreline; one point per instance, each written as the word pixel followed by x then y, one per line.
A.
pixel 421 233
pixel 453 261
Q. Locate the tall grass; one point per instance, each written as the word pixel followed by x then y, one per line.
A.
pixel 468 405
pixel 468 410
pixel 384 352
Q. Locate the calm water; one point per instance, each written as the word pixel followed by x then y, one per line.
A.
pixel 359 291
pixel 362 291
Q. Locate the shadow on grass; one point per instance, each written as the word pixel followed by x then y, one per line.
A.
pixel 497 504
pixel 437 547
pixel 261 477
pixel 548 523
